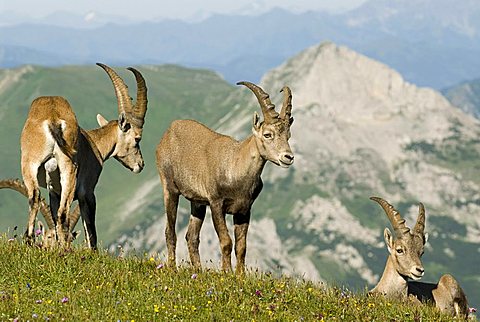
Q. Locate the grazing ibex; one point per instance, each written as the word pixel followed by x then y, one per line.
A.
pixel 212 169
pixel 74 215
pixel 61 156
pixel 404 262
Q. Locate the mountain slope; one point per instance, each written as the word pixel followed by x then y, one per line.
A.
pixel 360 130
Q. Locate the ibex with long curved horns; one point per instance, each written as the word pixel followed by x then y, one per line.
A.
pixel 212 169
pixel 404 262
pixel 19 186
pixel 59 155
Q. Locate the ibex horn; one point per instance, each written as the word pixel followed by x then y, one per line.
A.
pixel 268 109
pixel 140 107
pixel 286 112
pixel 121 90
pixel 398 223
pixel 420 224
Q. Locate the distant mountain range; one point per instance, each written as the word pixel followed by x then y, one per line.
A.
pixel 432 43
pixel 465 96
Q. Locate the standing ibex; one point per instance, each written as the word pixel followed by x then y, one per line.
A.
pixel 59 155
pixel 212 169
pixel 404 263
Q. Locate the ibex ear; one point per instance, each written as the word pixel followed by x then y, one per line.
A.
pixel 101 120
pixel 387 234
pixel 256 123
pixel 123 122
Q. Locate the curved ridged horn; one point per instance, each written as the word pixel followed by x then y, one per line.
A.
pixel 140 107
pixel 121 90
pixel 420 224
pixel 19 186
pixel 286 112
pixel 268 109
pixel 398 223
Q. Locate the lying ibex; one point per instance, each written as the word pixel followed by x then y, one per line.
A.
pixel 212 169
pixel 68 160
pixel 17 185
pixel 404 263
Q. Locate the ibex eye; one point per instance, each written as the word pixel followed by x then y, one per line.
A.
pixel 267 135
pixel 400 251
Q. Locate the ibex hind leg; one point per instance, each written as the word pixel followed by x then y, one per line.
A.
pixel 193 233
pixel 450 298
pixel 68 174
pixel 171 205
pixel 29 173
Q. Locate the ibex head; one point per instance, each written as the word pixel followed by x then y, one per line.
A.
pixel 130 120
pixel 49 237
pixel 406 249
pixel 273 133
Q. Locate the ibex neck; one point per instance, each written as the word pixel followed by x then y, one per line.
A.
pixel 103 140
pixel 249 160
pixel 392 283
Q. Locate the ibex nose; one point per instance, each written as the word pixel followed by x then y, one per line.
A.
pixel 139 167
pixel 287 158
pixel 418 273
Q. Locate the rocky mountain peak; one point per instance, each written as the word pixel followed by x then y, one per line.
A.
pixel 345 101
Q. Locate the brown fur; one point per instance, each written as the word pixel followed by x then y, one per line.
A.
pixel 80 154
pixel 212 169
pixel 404 262
pixel 39 145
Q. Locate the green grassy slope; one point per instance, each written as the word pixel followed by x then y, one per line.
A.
pixel 81 285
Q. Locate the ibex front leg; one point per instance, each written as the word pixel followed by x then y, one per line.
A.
pixel 193 233
pixel 87 203
pixel 171 205
pixel 220 225
pixel 241 222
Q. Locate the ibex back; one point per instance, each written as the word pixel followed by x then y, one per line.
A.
pixel 67 160
pixel 404 262
pixel 212 169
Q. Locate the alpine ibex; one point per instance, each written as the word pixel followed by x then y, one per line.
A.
pixel 212 169
pixel 404 262
pixel 17 185
pixel 61 156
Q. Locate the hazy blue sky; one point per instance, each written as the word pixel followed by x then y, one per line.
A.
pixel 150 9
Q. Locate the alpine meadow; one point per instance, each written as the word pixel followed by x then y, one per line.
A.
pixel 360 192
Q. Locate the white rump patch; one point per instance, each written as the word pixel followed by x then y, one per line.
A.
pixel 51 165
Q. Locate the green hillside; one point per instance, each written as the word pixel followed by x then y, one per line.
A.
pixel 80 285
pixel 173 93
